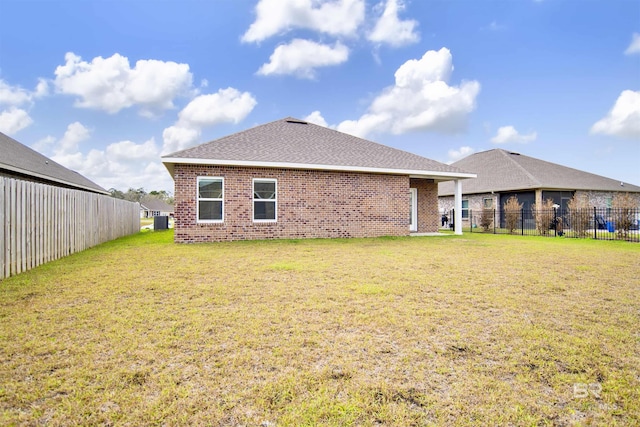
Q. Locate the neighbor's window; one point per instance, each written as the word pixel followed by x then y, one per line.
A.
pixel 264 200
pixel 465 209
pixel 210 199
pixel 488 203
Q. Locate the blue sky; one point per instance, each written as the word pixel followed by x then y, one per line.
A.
pixel 107 87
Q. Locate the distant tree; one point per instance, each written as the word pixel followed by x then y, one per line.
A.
pixel 486 219
pixel 135 194
pixel 162 195
pixel 625 208
pixel 512 209
pixel 580 214
pixel 116 193
pixel 139 194
pixel 544 215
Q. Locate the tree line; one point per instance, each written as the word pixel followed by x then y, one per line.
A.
pixel 139 195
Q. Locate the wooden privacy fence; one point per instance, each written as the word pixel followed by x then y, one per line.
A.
pixel 43 223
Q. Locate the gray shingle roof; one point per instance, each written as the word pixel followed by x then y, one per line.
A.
pixel 297 144
pixel 500 170
pixel 18 158
pixel 153 204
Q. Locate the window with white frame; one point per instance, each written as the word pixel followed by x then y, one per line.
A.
pixel 487 202
pixel 210 199
pixel 465 209
pixel 265 200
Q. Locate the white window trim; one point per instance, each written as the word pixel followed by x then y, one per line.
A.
pixel 198 199
pixel 253 200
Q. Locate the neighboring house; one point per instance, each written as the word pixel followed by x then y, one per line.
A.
pixel 293 179
pixel 21 162
pixel 150 207
pixel 502 174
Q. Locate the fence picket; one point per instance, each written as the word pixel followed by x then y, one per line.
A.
pixel 43 223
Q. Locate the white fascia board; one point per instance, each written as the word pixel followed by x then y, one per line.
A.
pixel 169 161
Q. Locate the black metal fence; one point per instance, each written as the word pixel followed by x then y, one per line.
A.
pixel 593 223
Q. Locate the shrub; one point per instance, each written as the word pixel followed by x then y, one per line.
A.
pixel 624 210
pixel 580 214
pixel 486 219
pixel 512 210
pixel 544 217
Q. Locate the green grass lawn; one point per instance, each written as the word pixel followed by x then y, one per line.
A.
pixel 457 330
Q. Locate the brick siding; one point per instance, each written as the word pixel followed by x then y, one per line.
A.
pixel 310 204
pixel 428 216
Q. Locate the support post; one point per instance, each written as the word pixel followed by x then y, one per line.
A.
pixel 458 207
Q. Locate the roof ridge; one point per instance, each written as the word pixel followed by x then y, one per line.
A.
pixel 286 143
pixel 509 155
pixel 234 134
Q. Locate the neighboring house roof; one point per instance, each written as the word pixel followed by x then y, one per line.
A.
pixel 17 158
pixel 295 144
pixel 153 204
pixel 500 170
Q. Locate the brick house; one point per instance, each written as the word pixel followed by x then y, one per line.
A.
pixel 150 207
pixel 293 179
pixel 502 174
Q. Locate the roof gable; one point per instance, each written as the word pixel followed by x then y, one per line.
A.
pixel 154 204
pixel 294 143
pixel 22 160
pixel 501 170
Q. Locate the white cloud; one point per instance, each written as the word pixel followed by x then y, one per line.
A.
pixel 66 150
pixel 42 89
pixel 507 134
pixel 43 145
pixel 13 95
pixel 462 152
pixel 366 124
pixel 120 165
pixel 634 47
pixel 14 120
pixel 336 18
pixel 225 106
pixel 623 119
pixel 302 57
pixel 420 100
pixel 316 118
pixel 390 29
pixel 176 138
pixel 129 152
pixel 73 136
pixel 111 84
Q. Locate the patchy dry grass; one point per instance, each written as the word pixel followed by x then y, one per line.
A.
pixel 478 329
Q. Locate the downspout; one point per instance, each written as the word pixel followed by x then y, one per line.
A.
pixel 457 203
